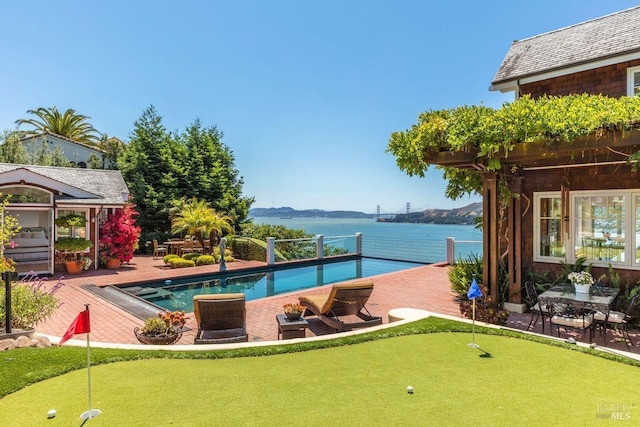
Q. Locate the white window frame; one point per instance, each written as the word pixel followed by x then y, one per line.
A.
pixel 537 256
pixel 87 230
pixel 631 234
pixel 631 72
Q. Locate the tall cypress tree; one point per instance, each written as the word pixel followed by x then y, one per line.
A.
pixel 211 172
pixel 152 174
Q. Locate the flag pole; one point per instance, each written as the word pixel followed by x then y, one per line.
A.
pixel 90 413
pixel 473 290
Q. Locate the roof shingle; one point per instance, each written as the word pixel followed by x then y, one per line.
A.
pixel 605 37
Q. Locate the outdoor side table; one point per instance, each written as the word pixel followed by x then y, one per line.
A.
pixel 288 329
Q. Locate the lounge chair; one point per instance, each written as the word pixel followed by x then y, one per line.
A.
pixel 221 318
pixel 345 299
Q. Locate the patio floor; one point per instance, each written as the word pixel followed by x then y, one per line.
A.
pixel 423 287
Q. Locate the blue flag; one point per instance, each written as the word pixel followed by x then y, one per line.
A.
pixel 474 290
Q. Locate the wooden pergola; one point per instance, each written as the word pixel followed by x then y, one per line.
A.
pixel 613 147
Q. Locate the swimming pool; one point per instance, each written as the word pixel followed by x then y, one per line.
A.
pixel 178 294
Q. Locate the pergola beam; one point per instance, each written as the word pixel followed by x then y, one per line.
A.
pixel 607 146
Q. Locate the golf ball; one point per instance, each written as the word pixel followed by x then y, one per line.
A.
pixel 51 413
pixel 410 390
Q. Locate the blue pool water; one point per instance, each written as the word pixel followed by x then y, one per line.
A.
pixel 178 294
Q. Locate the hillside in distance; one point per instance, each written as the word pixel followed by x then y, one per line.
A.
pixel 464 215
pixel 286 212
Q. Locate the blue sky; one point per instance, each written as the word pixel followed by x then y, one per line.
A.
pixel 305 92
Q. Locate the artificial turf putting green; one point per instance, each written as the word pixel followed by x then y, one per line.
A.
pixel 524 383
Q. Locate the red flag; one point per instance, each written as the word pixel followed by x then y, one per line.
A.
pixel 80 325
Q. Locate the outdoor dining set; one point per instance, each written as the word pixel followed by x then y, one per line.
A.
pixel 563 306
pixel 180 246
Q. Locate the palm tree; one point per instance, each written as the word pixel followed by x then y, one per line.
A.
pixel 197 218
pixel 69 124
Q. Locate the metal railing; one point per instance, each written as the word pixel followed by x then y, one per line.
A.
pixel 400 249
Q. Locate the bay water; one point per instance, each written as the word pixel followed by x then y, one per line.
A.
pixel 424 243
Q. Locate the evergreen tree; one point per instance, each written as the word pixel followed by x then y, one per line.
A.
pixel 12 150
pixel 211 172
pixel 152 174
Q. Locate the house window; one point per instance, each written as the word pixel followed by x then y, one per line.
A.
pixel 600 226
pixel 75 231
pixel 548 235
pixel 605 228
pixel 633 81
pixel 25 194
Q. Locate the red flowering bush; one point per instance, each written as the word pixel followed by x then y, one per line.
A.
pixel 119 234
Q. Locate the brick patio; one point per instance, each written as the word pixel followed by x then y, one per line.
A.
pixel 424 287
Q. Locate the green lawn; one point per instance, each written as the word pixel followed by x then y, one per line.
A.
pixel 524 383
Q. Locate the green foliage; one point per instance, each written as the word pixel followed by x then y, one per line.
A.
pixel 461 274
pixel 169 257
pixel 196 218
pixel 181 263
pixel 154 326
pixel 493 133
pixel 190 256
pixel 11 149
pixel 568 268
pixel 31 303
pixel 251 249
pixel 71 220
pixel 72 244
pixel 68 124
pixel 161 167
pixel 205 260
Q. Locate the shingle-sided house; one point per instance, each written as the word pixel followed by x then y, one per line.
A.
pixel 575 198
pixel 40 194
pixel 77 153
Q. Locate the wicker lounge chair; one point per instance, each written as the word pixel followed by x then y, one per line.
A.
pixel 220 318
pixel 345 299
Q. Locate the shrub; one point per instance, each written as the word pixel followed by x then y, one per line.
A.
pixel 205 260
pixel 31 303
pixel 486 310
pixel 461 274
pixel 154 326
pixel 191 256
pixel 181 263
pixel 169 257
pixel 119 234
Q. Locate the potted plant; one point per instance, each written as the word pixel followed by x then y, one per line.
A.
pixel 581 280
pixel 69 249
pixel 164 329
pixel 293 311
pixel 119 236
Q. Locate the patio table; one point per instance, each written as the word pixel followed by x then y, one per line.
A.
pixel 174 246
pixel 599 298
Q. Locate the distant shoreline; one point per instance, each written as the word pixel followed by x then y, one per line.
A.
pixel 466 215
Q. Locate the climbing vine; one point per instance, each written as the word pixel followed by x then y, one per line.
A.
pixel 493 133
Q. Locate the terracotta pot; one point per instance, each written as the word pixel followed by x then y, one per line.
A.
pixel 113 263
pixel 73 267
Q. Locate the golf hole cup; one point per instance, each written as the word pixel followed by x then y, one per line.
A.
pixel 410 390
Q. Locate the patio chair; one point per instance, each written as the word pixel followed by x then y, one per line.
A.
pixel 159 250
pixel 189 246
pixel 346 299
pixel 221 318
pixel 534 306
pixel 617 319
pixel 570 315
